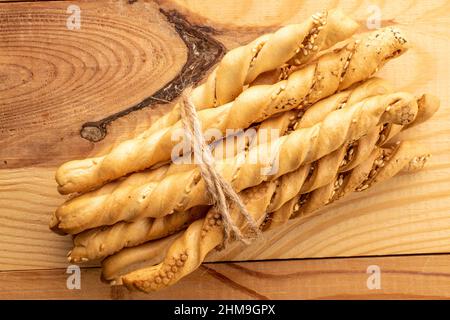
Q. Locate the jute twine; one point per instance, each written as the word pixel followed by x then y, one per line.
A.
pixel 220 191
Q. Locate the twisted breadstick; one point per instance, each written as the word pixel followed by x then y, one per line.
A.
pixel 134 258
pixel 111 239
pixel 116 188
pixel 179 192
pixel 331 72
pixel 188 251
pixel 101 242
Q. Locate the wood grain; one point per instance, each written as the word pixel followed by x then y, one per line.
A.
pixel 413 277
pixel 53 80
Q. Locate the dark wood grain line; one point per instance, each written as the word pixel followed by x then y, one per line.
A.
pixel 263 275
pixel 203 53
pixel 227 281
pixel 382 296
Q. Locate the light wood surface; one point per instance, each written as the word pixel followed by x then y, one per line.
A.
pixel 54 80
pixel 413 277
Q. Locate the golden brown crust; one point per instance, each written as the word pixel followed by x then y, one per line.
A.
pixel 189 251
pixel 179 192
pixel 380 165
pixel 332 72
pixel 133 258
pixel 100 242
pixel 241 66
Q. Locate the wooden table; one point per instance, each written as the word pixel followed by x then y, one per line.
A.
pixel 68 94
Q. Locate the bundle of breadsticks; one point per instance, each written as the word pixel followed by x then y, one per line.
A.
pixel 152 220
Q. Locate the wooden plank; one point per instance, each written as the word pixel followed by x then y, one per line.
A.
pixel 370 223
pixel 425 277
pixel 126 52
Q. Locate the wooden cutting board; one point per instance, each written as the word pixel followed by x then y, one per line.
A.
pixel 62 90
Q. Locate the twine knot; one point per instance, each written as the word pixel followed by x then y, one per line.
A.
pixel 221 192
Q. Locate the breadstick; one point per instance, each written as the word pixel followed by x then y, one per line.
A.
pixel 118 187
pixel 188 251
pixel 179 192
pixel 111 239
pixel 134 258
pixel 331 72
pixel 101 242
